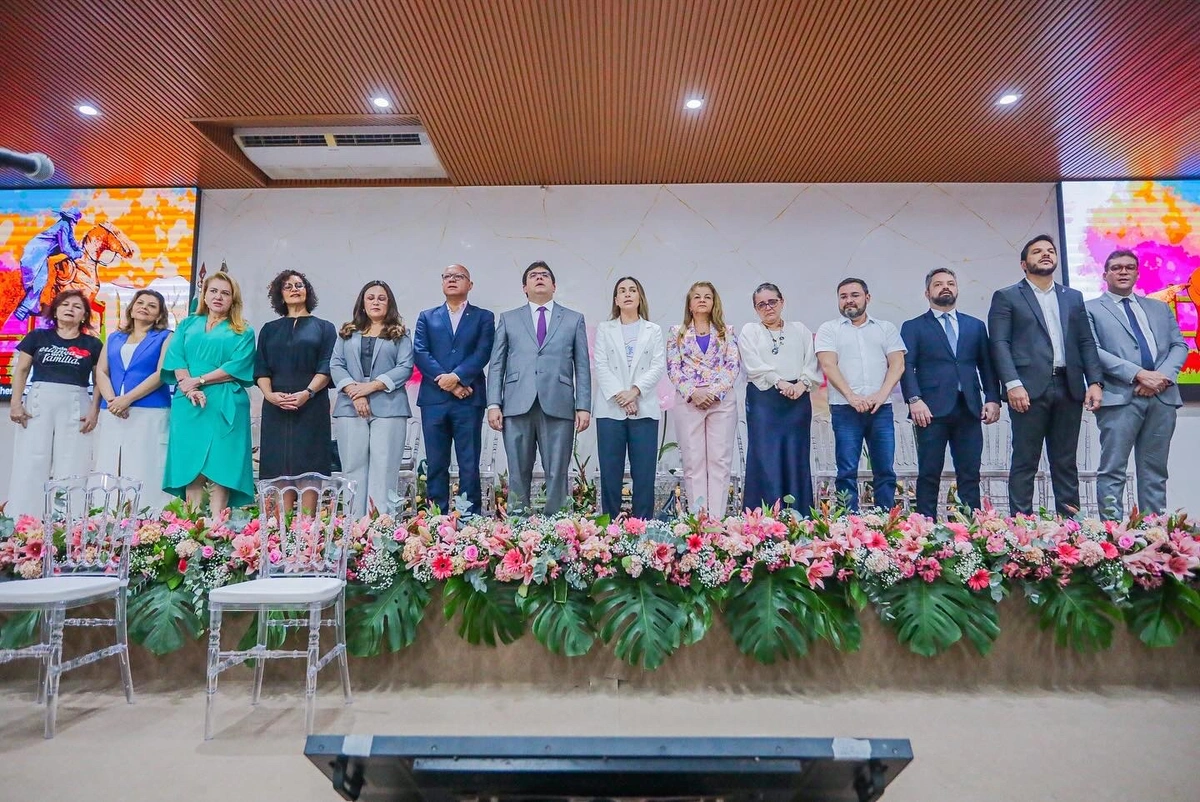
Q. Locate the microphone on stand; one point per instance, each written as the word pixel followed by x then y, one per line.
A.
pixel 36 166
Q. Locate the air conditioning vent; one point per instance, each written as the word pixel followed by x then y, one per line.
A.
pixel 341 153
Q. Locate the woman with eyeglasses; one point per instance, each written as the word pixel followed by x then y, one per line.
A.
pixel 703 364
pixel 372 360
pixel 292 370
pixel 132 437
pixel 210 361
pixel 781 371
pixel 630 360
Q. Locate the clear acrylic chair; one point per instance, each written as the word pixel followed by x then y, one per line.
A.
pixel 88 523
pixel 303 570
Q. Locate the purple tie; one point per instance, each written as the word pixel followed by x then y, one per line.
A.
pixel 541 329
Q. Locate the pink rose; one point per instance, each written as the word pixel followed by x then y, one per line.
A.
pixel 207 551
pixel 471 554
pixel 1125 541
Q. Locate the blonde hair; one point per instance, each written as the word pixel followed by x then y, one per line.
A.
pixel 234 316
pixel 716 318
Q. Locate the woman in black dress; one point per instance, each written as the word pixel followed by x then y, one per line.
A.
pixel 292 370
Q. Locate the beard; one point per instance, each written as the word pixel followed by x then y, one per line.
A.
pixel 1041 269
pixel 944 300
pixel 853 312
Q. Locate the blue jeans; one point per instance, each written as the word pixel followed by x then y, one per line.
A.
pixel 850 429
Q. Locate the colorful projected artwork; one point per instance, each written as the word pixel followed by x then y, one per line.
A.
pixel 1157 220
pixel 107 242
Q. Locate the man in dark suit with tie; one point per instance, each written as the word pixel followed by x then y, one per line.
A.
pixel 1045 355
pixel 451 346
pixel 1142 351
pixel 951 391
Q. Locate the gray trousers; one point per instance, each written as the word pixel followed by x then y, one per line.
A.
pixel 1144 426
pixel 554 438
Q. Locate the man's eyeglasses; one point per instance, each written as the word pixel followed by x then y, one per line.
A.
pixel 455 277
pixel 763 306
pixel 538 274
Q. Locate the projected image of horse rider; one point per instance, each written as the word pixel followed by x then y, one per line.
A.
pixel 35 259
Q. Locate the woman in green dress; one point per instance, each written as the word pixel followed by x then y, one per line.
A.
pixel 211 362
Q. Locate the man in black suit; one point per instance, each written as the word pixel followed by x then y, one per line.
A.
pixel 950 387
pixel 1045 354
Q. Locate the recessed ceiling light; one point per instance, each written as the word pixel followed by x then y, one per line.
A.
pixel 1008 99
pixel 88 111
pixel 693 103
pixel 381 102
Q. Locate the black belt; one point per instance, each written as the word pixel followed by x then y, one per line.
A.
pixel 1058 372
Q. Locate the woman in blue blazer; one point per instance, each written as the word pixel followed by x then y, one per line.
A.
pixel 372 360
pixel 135 405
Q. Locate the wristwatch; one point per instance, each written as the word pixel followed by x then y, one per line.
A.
pixel 201 380
pixel 914 399
pixel 310 392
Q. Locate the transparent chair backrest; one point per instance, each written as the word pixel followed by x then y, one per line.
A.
pixel 90 519
pixel 303 522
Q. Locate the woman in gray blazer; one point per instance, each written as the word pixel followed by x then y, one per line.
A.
pixel 372 360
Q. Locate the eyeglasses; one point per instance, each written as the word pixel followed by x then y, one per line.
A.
pixel 455 277
pixel 538 274
pixel 293 286
pixel 1122 268
pixel 763 306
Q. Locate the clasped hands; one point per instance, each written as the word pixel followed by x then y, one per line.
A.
pixel 1149 383
pixel 868 403
pixel 627 400
pixel 453 385
pixel 791 390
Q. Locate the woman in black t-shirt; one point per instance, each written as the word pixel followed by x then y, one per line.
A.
pixel 55 420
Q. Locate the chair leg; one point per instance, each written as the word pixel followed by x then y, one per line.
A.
pixel 44 662
pixel 54 669
pixel 314 655
pixel 343 659
pixel 123 641
pixel 214 658
pixel 260 664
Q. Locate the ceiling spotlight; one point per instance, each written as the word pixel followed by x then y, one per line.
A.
pixel 381 102
pixel 88 111
pixel 1008 99
pixel 693 103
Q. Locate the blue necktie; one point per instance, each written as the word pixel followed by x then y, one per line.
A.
pixel 1143 345
pixel 950 335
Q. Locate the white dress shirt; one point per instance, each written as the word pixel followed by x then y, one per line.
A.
pixel 862 353
pixel 796 360
pixel 1048 301
pixel 533 312
pixel 455 317
pixel 1139 314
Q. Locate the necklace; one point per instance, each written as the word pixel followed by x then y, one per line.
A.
pixel 775 343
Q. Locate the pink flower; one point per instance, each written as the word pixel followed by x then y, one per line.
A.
pixel 979 580
pixel 818 571
pixel 1067 554
pixel 443 566
pixel 930 569
pixel 1125 541
pixel 207 551
pixel 1110 551
pixel 471 554
pixel 960 531
pixel 1180 566
pixel 635 526
pixel 695 543
pixel 513 562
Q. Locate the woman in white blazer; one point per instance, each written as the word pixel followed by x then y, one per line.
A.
pixel 630 361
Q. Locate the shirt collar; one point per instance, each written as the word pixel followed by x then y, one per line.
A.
pixel 549 306
pixel 1118 298
pixel 848 322
pixel 1053 288
pixel 938 313
pixel 461 309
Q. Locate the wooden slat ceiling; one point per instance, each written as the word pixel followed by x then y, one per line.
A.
pixel 592 91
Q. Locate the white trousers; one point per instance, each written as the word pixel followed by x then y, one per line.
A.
pixel 706 441
pixel 371 450
pixel 50 446
pixel 136 448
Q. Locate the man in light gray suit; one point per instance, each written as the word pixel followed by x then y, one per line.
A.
pixel 1142 350
pixel 539 388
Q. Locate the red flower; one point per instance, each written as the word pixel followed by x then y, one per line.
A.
pixel 182 566
pixel 1110 551
pixel 443 566
pixel 695 543
pixel 979 580
pixel 1067 554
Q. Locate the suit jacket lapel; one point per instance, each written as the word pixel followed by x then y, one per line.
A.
pixel 1064 319
pixel 354 357
pixel 527 322
pixel 642 341
pixel 1027 293
pixel 941 332
pixel 1118 313
pixel 617 339
pixel 556 316
pixel 462 321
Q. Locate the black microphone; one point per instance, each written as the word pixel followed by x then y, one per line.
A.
pixel 36 166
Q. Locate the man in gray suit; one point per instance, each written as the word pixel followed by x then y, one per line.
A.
pixel 539 388
pixel 1142 350
pixel 1045 355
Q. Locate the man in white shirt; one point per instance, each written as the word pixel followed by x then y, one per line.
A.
pixel 1045 355
pixel 863 359
pixel 1142 351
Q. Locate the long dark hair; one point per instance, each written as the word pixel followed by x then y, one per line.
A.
pixel 85 326
pixel 393 324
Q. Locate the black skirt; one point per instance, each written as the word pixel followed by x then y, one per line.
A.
pixel 777 457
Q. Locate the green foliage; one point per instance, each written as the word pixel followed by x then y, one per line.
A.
pixel 1082 616
pixel 162 619
pixel 777 615
pixel 488 616
pixel 389 618
pixel 559 617
pixel 20 630
pixel 644 621
pixel 1158 617
pixel 930 618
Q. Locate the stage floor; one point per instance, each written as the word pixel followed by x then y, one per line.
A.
pixel 982 746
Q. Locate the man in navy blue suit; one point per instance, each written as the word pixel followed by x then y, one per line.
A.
pixel 950 386
pixel 451 346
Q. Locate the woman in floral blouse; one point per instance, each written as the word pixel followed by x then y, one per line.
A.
pixel 703 363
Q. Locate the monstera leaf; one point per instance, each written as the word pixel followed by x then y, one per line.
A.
pixel 929 618
pixel 388 618
pixel 488 616
pixel 560 618
pixel 162 619
pixel 643 620
pixel 1158 616
pixel 1082 616
pixel 701 606
pixel 19 629
pixel 777 615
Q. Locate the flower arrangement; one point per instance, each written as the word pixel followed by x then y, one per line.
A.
pixel 779 580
